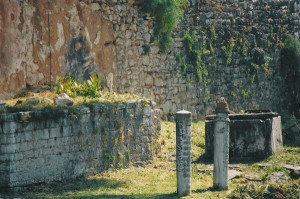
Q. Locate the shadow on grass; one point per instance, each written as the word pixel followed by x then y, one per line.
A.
pixel 153 196
pixel 204 159
pixel 80 188
pixel 62 188
pixel 211 189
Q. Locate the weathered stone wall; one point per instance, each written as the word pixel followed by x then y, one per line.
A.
pixel 107 37
pixel 36 149
pixel 80 39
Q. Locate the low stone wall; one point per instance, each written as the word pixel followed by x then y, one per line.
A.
pixel 37 148
pixel 251 136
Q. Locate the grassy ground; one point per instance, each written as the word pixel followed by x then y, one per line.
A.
pixel 158 180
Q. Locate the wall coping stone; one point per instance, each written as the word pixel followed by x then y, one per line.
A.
pixel 246 116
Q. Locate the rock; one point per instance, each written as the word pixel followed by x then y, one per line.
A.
pixel 47 101
pixel 253 178
pixel 263 165
pixel 295 170
pixel 146 60
pixel 208 169
pixel 29 94
pixel 2 106
pixel 95 6
pixel 233 173
pixel 278 177
pixel 149 80
pixel 33 101
pixel 36 101
pixel 234 166
pixel 132 27
pixel 292 168
pixel 63 100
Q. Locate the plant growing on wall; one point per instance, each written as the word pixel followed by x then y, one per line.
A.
pixel 194 57
pixel 166 15
pixel 228 51
pixel 75 88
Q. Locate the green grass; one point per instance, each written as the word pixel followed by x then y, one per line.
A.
pixel 158 180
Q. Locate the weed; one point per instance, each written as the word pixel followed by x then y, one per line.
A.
pixel 122 138
pixel 116 142
pixel 120 159
pixel 246 93
pixel 228 51
pixel 128 154
pixel 75 88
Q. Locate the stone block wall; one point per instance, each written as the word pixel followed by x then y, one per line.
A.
pixel 108 37
pixel 251 136
pixel 37 149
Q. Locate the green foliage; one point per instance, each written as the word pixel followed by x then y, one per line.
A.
pixel 75 88
pixel 290 70
pixel 194 54
pixel 245 49
pixel 228 51
pixel 246 93
pixel 265 66
pixel 166 15
pixel 254 68
pixel 120 159
pixel 290 129
pixel 146 49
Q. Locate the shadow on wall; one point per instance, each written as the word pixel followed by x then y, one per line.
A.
pixel 79 61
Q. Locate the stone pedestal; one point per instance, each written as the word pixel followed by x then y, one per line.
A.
pixel 183 152
pixel 221 151
pixel 253 136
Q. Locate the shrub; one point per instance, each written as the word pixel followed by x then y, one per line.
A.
pixel 290 70
pixel 166 15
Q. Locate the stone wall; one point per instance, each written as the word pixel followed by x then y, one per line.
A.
pixel 107 37
pixel 37 148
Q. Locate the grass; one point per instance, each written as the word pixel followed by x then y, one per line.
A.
pixel 158 180
pixel 19 104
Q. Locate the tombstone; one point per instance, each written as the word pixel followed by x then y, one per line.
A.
pixel 183 152
pixel 221 146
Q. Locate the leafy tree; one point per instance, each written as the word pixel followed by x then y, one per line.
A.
pixel 290 70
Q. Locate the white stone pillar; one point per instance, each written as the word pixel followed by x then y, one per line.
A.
pixel 221 151
pixel 183 152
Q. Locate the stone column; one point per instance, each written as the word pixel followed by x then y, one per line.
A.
pixel 183 152
pixel 221 146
